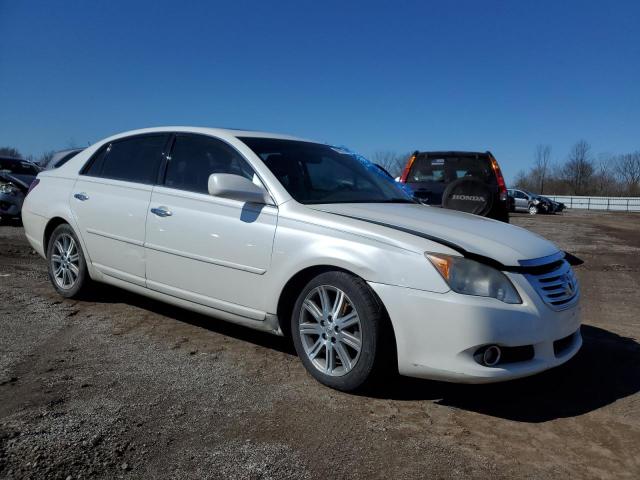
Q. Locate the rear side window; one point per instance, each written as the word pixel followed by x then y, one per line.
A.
pixel 135 159
pixel 446 169
pixel 65 159
pixel 195 157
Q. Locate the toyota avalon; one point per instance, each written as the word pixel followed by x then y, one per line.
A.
pixel 311 241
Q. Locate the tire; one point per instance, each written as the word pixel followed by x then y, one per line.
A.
pixel 533 210
pixel 468 194
pixel 318 337
pixel 66 263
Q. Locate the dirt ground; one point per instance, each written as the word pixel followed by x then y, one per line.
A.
pixel 121 386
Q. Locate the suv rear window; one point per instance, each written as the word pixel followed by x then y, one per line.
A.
pixel 448 168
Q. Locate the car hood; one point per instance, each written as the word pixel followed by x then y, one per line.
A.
pixel 502 242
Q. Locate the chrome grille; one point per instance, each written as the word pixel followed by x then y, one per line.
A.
pixel 558 288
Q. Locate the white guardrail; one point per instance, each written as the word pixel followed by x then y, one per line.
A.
pixel 611 204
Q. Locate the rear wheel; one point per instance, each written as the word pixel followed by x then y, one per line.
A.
pixel 336 327
pixel 67 266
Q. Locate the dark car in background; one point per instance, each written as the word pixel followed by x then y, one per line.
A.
pixel 16 176
pixel 466 181
pixel 60 158
pixel 556 207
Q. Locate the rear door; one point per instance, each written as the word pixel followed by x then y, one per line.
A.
pixel 209 250
pixel 111 199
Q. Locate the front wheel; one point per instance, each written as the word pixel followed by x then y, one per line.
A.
pixel 336 327
pixel 533 210
pixel 67 265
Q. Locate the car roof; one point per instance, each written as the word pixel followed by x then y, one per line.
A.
pixel 218 132
pixel 458 153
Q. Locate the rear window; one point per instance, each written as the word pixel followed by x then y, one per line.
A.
pixel 65 159
pixel 448 168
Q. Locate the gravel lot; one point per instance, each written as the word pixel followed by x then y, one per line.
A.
pixel 119 386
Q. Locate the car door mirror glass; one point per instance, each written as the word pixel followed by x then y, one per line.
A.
pixel 237 187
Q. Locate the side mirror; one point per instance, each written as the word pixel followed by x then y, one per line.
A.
pixel 236 187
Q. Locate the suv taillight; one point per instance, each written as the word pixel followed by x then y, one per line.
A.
pixel 33 185
pixel 407 169
pixel 502 187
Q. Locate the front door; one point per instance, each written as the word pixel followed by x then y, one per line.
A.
pixel 209 250
pixel 521 200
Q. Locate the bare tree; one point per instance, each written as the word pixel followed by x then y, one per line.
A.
pixel 392 162
pixel 579 169
pixel 604 181
pixel 10 152
pixel 628 168
pixel 43 159
pixel 541 165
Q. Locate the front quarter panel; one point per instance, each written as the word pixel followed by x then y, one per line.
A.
pixel 299 245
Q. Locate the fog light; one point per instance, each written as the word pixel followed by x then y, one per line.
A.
pixel 491 355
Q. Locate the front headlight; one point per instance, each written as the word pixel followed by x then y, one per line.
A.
pixel 8 188
pixel 474 278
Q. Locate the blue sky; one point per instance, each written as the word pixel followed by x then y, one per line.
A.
pixel 373 76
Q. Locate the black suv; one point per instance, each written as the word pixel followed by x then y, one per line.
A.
pixel 467 181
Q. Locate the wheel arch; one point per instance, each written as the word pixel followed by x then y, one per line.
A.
pixel 58 220
pixel 291 289
pixel 52 224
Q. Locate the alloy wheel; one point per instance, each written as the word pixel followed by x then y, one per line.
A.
pixel 65 261
pixel 330 330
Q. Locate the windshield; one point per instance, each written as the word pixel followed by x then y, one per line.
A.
pixel 17 167
pixel 316 173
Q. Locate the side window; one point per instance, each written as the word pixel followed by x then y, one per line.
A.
pixel 195 157
pixel 135 159
pixel 94 166
pixel 65 159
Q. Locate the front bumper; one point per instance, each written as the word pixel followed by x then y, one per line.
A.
pixel 438 334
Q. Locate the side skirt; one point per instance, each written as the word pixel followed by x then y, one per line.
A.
pixel 269 324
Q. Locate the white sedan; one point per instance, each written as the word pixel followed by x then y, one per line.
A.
pixel 302 239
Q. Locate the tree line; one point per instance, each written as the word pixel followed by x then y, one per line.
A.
pixel 15 153
pixel 582 173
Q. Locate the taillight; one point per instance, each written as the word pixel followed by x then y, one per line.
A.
pixel 502 187
pixel 33 185
pixel 407 169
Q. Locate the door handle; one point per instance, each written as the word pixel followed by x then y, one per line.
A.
pixel 162 212
pixel 81 196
